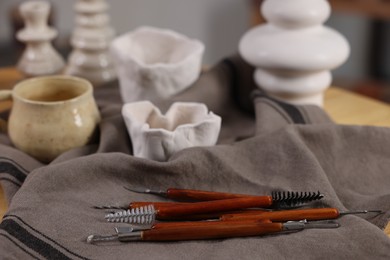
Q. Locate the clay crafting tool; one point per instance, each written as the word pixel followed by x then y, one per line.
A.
pixel 293 215
pixel 278 199
pixel 215 206
pixel 206 230
pixel 138 204
pixel 201 195
pixel 187 194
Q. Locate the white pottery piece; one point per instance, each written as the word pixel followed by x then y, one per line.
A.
pixel 294 52
pixel 91 38
pixel 154 64
pixel 155 136
pixel 39 57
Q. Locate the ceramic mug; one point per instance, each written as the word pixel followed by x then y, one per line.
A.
pixel 51 115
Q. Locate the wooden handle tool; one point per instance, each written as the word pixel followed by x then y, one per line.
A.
pixel 293 215
pixel 174 212
pixel 188 194
pixel 282 198
pixel 205 230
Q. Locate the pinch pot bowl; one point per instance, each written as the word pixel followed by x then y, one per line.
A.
pixel 155 63
pixel 155 136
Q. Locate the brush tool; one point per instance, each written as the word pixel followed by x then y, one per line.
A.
pixel 151 211
pixel 201 195
pixel 278 199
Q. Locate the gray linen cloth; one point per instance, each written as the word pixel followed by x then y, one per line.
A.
pixel 265 145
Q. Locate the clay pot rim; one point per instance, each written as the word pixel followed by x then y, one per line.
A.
pixel 197 50
pixel 85 94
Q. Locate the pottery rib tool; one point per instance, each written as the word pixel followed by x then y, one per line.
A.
pixel 205 230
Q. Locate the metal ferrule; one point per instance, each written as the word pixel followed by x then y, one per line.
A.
pixel 303 224
pixel 132 236
pixel 293 226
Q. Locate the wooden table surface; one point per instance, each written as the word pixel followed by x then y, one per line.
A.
pixel 343 106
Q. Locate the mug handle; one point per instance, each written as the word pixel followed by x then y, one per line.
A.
pixel 5 94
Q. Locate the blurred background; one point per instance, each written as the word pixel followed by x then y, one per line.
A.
pixel 220 25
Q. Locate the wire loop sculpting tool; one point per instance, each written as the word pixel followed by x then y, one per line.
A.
pixel 207 230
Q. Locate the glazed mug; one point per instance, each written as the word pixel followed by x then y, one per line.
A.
pixel 51 115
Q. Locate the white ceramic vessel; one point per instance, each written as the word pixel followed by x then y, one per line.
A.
pixel 155 63
pixel 51 115
pixel 155 136
pixel 91 38
pixel 39 57
pixel 294 52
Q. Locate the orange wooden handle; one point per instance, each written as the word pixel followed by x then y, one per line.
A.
pixel 285 215
pixel 138 204
pixel 216 215
pixel 184 224
pixel 210 230
pixel 160 205
pixel 199 195
pixel 214 206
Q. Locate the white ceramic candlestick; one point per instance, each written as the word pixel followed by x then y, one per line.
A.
pixel 90 40
pixel 39 58
pixel 294 52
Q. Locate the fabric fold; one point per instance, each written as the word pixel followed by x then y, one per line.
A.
pixel 264 146
pixel 272 114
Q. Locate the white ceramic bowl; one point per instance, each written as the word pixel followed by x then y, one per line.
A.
pixel 155 63
pixel 155 136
